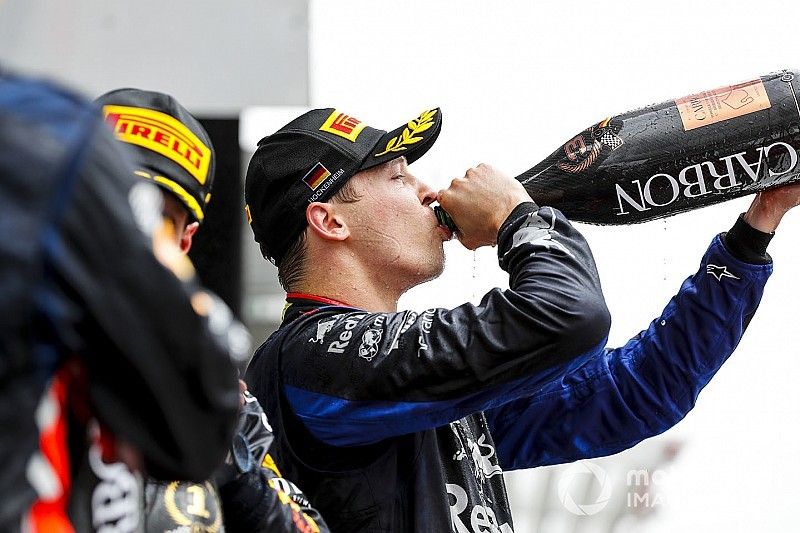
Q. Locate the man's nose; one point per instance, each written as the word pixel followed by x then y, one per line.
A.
pixel 426 195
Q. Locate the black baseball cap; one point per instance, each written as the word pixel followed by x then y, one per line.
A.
pixel 170 146
pixel 310 158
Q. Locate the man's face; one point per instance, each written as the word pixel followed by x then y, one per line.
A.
pixel 392 226
pixel 178 216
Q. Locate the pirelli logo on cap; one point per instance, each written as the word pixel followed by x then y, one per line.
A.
pixel 162 134
pixel 343 126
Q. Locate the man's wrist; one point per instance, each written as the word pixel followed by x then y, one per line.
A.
pixel 747 243
pixel 519 212
pixel 764 215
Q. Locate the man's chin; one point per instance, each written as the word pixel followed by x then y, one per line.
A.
pixel 435 267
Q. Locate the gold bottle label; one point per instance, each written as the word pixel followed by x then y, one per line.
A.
pixel 710 107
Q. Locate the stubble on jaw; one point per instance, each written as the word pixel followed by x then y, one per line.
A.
pixel 390 265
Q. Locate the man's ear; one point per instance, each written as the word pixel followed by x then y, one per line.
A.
pixel 324 220
pixel 186 238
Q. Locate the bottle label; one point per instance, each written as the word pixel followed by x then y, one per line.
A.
pixel 725 103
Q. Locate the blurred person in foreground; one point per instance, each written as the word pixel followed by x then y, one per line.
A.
pixel 403 421
pixel 105 355
pixel 172 149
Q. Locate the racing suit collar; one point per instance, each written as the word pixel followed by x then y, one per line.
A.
pixel 300 304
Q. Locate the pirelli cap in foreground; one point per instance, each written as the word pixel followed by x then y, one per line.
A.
pixel 309 159
pixel 170 146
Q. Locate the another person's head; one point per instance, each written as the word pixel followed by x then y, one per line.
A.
pixel 170 148
pixel 327 186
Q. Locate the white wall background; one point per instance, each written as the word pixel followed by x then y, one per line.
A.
pixel 516 79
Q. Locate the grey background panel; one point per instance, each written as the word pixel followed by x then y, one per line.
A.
pixel 215 57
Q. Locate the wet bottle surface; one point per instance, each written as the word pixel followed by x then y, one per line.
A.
pixel 676 156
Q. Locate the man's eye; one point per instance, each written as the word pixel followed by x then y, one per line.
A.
pixel 399 177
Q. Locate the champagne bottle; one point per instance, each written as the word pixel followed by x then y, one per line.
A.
pixel 676 156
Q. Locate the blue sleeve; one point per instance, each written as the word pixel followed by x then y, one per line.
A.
pixel 613 401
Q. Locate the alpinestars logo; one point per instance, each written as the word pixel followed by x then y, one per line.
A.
pixel 720 272
pixel 539 232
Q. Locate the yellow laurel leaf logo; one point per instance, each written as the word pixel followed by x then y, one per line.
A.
pixel 410 134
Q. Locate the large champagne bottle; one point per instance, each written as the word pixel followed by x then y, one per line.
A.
pixel 676 156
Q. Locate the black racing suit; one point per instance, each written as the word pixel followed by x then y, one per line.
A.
pixel 404 421
pixel 256 497
pixel 246 494
pixel 83 295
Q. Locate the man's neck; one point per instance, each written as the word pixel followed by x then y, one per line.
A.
pixel 351 285
pixel 358 297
